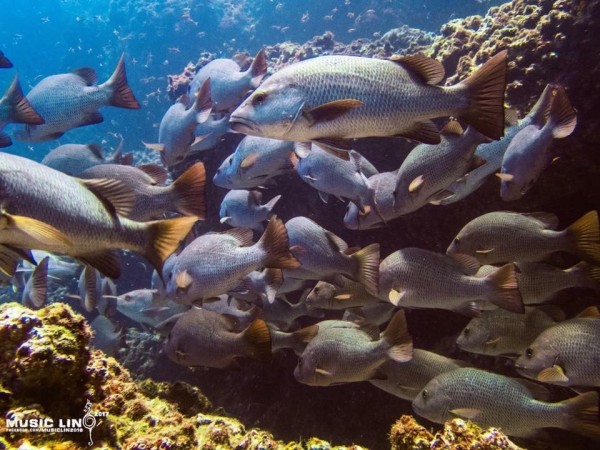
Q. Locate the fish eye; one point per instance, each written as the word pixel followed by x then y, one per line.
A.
pixel 300 362
pixel 425 394
pixel 456 241
pixel 259 98
pixel 466 331
pixel 317 289
pixel 529 352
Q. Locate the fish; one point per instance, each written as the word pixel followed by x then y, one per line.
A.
pixel 539 282
pixel 261 284
pixel 501 236
pixel 341 293
pixel 229 84
pixel 240 310
pixel 321 253
pixel 35 292
pixel 5 63
pixel 152 199
pixel 529 154
pixel 72 159
pixel 107 336
pixel 215 263
pixel 296 340
pixel 500 332
pixel 376 313
pixel 565 354
pixel 283 314
pixel 209 133
pixel 15 108
pixel 176 132
pixel 345 353
pixel 406 379
pixel 45 209
pixel 255 162
pixel 330 176
pixel 147 307
pixel 493 152
pixel 510 404
pixel 384 185
pixel 205 338
pixel 61 269
pixel 242 208
pixel 428 170
pixel 70 100
pixel 418 278
pixel 331 99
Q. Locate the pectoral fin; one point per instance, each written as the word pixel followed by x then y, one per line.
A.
pixel 34 229
pixel 156 147
pixel 506 177
pixel 183 280
pixel 394 296
pixel 484 251
pixel 330 110
pixel 416 184
pixel 323 372
pixel 466 413
pixel 554 374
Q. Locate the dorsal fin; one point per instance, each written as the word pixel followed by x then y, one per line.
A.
pixel 428 69
pixel 88 74
pixel 96 149
pixel 115 195
pixel 157 173
pixel 510 117
pixel 337 241
pixel 244 235
pixel 549 220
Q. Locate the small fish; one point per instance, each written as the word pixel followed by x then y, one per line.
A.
pixel 330 176
pixel 428 170
pixel 240 310
pixel 345 353
pixel 61 269
pixel 73 159
pixel 151 199
pixel 511 404
pixel 176 133
pixel 283 314
pixel 47 210
pixel 384 185
pixel 242 208
pixel 565 354
pixel 406 379
pixel 296 340
pixel 255 162
pixel 205 338
pixel 35 292
pixel 261 284
pixel 417 278
pixel 5 62
pixel 15 108
pixel 493 152
pixel 333 98
pixel 499 237
pixel 322 255
pixel 215 263
pixel 377 313
pixel 501 332
pixel 70 100
pixel 341 293
pixel 229 84
pixel 108 336
pixel 147 307
pixel 528 154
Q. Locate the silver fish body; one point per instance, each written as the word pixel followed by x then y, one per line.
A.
pixel 72 159
pixel 15 108
pixel 341 293
pixel 242 208
pixel 147 307
pixel 492 400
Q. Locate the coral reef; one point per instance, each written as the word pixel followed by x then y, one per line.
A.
pixel 457 434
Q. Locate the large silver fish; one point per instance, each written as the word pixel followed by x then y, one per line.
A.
pixel 511 404
pixel 73 159
pixel 229 84
pixel 255 162
pixel 428 170
pixel 215 263
pixel 47 210
pixel 15 108
pixel 493 152
pixel 71 100
pixel 152 199
pixel 322 255
pixel 528 154
pixel 499 237
pixel 176 133
pixel 346 353
pixel 417 278
pixel 205 338
pixel 566 354
pixel 336 97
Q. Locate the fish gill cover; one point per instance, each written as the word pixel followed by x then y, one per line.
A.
pixel 344 217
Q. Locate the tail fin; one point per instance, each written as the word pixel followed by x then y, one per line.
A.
pixel 563 117
pixel 582 415
pixel 276 246
pixel 5 62
pixel 21 110
pixel 273 281
pixel 5 140
pixel 585 238
pixel 541 110
pixel 271 203
pixel 485 89
pixel 396 335
pixel 38 285
pixel 203 102
pixel 367 271
pixel 586 274
pixel 258 69
pixel 258 337
pixel 189 191
pixel 122 95
pixel 163 238
pixel 90 283
pixel 505 291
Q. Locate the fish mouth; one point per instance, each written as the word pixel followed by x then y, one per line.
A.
pixel 242 124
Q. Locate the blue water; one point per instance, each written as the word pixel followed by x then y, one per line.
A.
pixel 160 37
